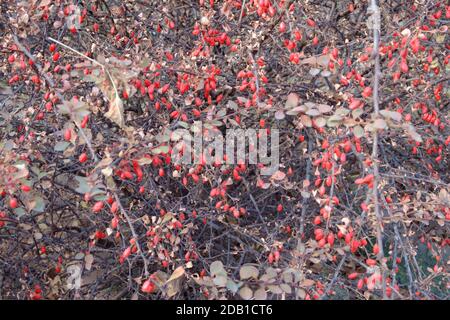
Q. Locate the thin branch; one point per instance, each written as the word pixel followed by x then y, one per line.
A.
pixel 335 276
pixel 133 232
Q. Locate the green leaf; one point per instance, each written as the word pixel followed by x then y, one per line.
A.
pixel 260 294
pixel 217 268
pixel 160 149
pixel 313 112
pixel 334 121
pixel 248 271
pixel 183 124
pixel 320 122
pixel 358 131
pixel 19 212
pixel 342 112
pixel 38 204
pixel 83 186
pixel 233 286
pixel 61 145
pixel 220 280
pixel 357 113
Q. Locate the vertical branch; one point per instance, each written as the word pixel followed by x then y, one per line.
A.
pixel 308 177
pixel 374 22
pixel 133 232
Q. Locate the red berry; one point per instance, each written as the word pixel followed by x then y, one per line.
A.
pixel 315 41
pixel 376 249
pixel 353 275
pixel 68 134
pixel 371 262
pixel 330 239
pixel 83 157
pixel 367 92
pixel 13 203
pixel 360 284
pixel 148 286
pixel 317 220
pixel 310 22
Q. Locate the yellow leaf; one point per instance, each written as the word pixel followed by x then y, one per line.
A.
pixel 176 274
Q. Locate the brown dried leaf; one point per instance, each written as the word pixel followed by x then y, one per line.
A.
pixel 178 272
pixel 115 112
pixel 317 61
pixel 88 260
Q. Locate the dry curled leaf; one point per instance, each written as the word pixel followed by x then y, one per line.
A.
pixel 115 112
pixel 178 272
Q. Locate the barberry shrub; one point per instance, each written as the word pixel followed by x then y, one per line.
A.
pixel 90 199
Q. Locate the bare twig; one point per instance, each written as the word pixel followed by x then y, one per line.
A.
pixel 242 12
pixel 375 16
